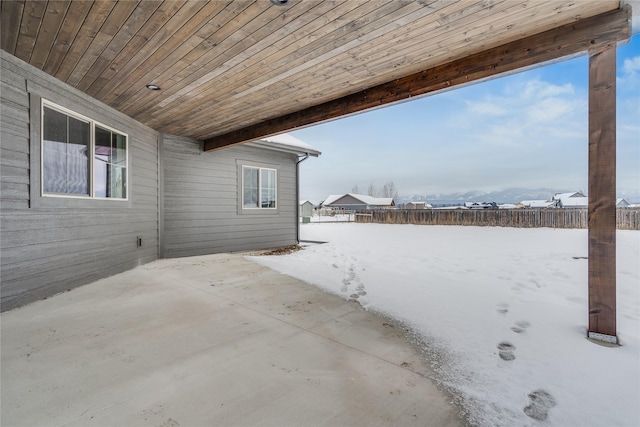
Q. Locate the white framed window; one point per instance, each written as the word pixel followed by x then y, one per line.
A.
pixel 81 157
pixel 259 188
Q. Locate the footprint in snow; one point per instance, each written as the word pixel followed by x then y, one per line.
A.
pixel 520 326
pixel 506 350
pixel 541 402
pixel 535 282
pixel 348 279
pixel 502 308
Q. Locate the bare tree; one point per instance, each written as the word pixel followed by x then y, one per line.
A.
pixel 389 190
pixel 355 189
pixel 371 191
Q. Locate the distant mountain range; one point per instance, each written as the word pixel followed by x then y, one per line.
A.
pixel 510 195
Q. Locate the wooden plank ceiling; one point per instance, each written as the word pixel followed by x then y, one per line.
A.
pixel 226 65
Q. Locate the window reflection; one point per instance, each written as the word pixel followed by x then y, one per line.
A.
pixel 109 167
pixel 258 187
pixel 65 148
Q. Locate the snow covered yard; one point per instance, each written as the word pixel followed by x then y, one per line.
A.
pixel 501 313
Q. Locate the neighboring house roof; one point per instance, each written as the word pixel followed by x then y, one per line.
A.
pixel 364 200
pixel 302 202
pixel 480 205
pixel 570 200
pixel 451 207
pixel 574 202
pixel 536 203
pixel 560 196
pixel 286 142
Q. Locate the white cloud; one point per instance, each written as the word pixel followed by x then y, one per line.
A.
pixel 629 82
pixel 631 65
pixel 487 108
pixel 550 110
pixel 537 89
pixel 528 114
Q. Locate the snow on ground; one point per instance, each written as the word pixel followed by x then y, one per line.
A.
pixel 501 313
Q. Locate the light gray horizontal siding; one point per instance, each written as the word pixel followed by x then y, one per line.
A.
pixel 52 249
pixel 201 191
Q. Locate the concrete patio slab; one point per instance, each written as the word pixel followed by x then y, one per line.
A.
pixel 212 340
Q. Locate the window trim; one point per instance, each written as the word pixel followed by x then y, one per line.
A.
pixel 72 102
pixel 258 212
pixel 92 127
pixel 259 207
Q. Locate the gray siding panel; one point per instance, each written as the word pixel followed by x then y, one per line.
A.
pixel 201 206
pixel 49 249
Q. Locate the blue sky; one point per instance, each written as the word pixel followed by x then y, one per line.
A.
pixel 528 130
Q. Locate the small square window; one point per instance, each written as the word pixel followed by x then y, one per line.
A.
pixel 259 188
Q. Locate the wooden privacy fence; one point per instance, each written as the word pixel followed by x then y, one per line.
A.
pixel 626 219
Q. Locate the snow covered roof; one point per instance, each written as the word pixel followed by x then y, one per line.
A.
pixel 560 196
pixel 286 142
pixel 366 200
pixel 536 203
pixel 450 207
pixel 574 201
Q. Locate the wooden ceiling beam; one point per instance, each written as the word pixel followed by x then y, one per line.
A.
pixel 402 54
pixel 566 40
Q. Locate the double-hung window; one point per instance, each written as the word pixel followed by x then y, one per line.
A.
pixel 80 157
pixel 259 188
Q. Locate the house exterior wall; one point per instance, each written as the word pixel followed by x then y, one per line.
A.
pixel 202 211
pixel 48 245
pixel 341 206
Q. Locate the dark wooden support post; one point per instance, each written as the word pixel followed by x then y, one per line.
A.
pixel 602 194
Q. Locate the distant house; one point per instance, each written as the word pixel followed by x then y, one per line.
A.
pixel 570 200
pixel 536 204
pixel 441 208
pixel 573 202
pixel 622 203
pixel 559 196
pixel 481 205
pixel 357 202
pixel 417 205
pixel 306 208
